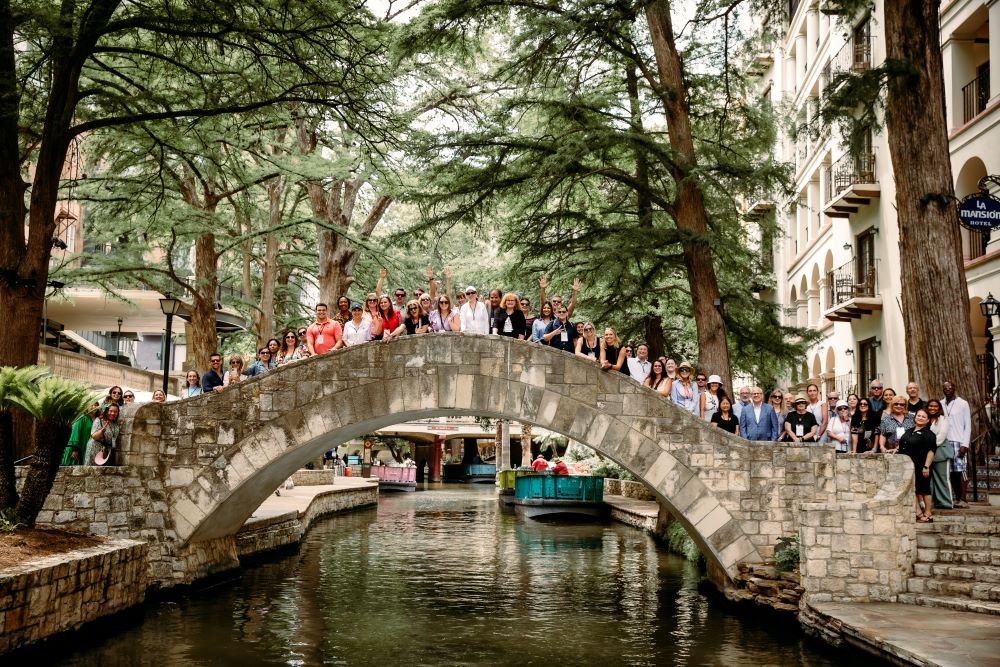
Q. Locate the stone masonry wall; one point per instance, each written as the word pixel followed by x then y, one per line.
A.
pixel 860 548
pixel 219 455
pixel 63 592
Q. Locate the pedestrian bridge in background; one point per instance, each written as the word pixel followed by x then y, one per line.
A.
pixel 218 456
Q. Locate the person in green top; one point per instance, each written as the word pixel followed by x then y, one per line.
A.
pixel 73 454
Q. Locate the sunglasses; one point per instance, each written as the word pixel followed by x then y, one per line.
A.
pixel 267 352
pixel 411 307
pixel 215 361
pixel 371 300
pixel 525 303
pixel 444 301
pixel 400 295
pixel 588 328
pixel 842 407
pixel 290 337
pixel 701 379
pixel 777 398
pixel 129 395
pixel 471 293
pixel 684 370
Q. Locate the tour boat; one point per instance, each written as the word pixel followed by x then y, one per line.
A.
pixel 392 478
pixel 544 495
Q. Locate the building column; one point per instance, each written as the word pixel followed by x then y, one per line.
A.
pixel 434 461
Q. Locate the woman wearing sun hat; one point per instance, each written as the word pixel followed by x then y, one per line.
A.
pixel 709 399
pixel 684 392
pixel 800 425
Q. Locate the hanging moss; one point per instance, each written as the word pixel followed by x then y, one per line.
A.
pixel 680 543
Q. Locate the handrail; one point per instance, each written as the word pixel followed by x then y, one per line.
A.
pixel 983 445
pixel 976 95
pixel 846 282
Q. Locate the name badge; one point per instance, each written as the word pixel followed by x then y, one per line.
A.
pixel 800 430
pixel 899 432
pixel 319 339
pixel 564 336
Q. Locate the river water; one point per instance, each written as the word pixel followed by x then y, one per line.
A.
pixel 444 577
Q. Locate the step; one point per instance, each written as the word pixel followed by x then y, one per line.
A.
pixel 948 602
pixel 934 540
pixel 959 556
pixel 985 574
pixel 954 588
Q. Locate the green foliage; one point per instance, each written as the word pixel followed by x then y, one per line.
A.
pixel 55 400
pixel 15 382
pixel 786 554
pixel 679 542
pixel 9 521
pixel 611 470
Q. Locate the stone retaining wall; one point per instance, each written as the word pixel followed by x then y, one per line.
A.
pixel 860 548
pixel 62 592
pixel 267 534
pixel 303 477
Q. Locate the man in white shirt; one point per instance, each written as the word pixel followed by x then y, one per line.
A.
pixel 473 314
pixel 639 365
pixel 959 435
pixel 357 330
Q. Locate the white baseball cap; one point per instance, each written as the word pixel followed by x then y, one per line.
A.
pixel 714 378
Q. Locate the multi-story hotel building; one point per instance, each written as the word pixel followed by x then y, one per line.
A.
pixel 836 258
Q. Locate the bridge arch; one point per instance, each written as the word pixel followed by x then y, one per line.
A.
pixel 222 454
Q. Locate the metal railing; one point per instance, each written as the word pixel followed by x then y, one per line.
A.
pixel 854 56
pixel 975 95
pixel 847 282
pixel 846 383
pixel 847 171
pixel 984 455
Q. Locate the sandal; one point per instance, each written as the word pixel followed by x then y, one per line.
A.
pixel 925 519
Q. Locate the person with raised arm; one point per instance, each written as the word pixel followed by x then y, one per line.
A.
pixel 557 299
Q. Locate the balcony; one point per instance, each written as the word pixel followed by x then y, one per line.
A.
pixel 976 95
pixel 852 292
pixel 854 56
pixel 850 184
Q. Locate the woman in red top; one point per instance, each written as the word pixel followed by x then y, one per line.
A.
pixel 389 318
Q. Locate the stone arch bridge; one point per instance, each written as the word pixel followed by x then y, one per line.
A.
pixel 214 458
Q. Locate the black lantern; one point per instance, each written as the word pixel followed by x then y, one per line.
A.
pixel 170 307
pixel 990 306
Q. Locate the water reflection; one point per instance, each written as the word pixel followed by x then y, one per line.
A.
pixel 445 578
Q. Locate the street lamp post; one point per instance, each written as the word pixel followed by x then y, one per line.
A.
pixel 170 307
pixel 118 343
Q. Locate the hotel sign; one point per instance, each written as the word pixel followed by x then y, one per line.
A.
pixel 980 212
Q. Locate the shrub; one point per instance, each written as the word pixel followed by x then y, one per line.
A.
pixel 786 554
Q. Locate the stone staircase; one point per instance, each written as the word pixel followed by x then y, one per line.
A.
pixel 958 561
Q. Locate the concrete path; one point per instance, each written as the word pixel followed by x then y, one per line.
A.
pixel 299 498
pixel 920 635
pixel 644 508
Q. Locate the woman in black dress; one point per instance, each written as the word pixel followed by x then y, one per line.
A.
pixel 919 443
pixel 587 345
pixel 612 352
pixel 864 428
pixel 724 417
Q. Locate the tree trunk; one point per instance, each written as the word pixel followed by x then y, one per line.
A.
pixel 655 339
pixel 269 272
pixel 689 205
pixel 938 339
pixel 203 340
pixel 8 484
pixel 525 444
pixel 50 439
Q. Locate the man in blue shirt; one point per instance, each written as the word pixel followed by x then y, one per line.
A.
pixel 561 334
pixel 758 420
pixel 211 380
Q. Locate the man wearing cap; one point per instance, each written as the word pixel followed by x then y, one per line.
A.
pixel 357 330
pixel 801 426
pixel 839 430
pixel 475 318
pixel 758 420
pixel 639 365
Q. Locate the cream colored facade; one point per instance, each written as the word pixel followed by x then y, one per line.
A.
pixel 836 258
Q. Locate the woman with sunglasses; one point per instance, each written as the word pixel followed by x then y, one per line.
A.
pixel 777 402
pixel 839 430
pixel 684 392
pixel 587 345
pixel 864 428
pixel 415 323
pixel 128 397
pixel 115 397
pixel 302 350
pixel 289 347
pixel 508 320
pixel 192 385
pixel 425 304
pixel 235 372
pixel 443 318
pixel 894 424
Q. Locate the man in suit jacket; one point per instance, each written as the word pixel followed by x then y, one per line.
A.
pixel 758 420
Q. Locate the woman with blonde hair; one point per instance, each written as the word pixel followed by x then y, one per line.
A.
pixel 235 372
pixel 612 353
pixel 587 345
pixel 508 319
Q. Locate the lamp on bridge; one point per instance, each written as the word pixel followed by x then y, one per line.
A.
pixel 170 307
pixel 990 308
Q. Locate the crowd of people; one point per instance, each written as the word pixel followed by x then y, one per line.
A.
pixel 935 433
